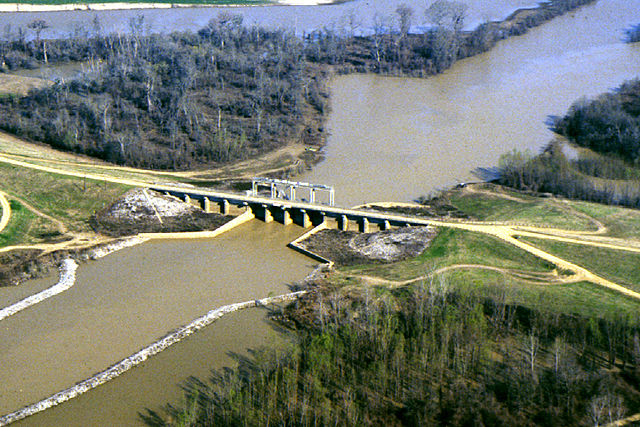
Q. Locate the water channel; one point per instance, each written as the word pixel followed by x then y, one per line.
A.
pixel 298 18
pixel 396 139
pixel 391 139
pixel 130 299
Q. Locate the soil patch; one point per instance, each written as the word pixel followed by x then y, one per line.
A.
pixel 350 247
pixel 146 211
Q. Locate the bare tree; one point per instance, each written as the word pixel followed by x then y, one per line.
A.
pixel 448 14
pixel 405 14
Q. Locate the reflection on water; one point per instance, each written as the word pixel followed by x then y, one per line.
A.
pixel 397 139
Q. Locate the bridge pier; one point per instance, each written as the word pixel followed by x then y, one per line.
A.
pixel 384 225
pixel 286 217
pixel 206 205
pixel 363 225
pixel 224 207
pixel 186 198
pixel 305 221
pixel 268 216
pixel 343 223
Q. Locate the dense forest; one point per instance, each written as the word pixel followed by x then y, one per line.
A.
pixel 424 355
pixel 608 172
pixel 173 101
pixel 609 124
pixel 226 93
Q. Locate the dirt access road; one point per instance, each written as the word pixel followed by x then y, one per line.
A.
pixel 505 232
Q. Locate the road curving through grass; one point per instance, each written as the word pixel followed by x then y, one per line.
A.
pixel 6 211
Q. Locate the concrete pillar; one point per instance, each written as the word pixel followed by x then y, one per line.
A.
pixel 306 222
pixel 268 216
pixel 364 225
pixel 286 217
pixel 293 193
pixel 384 225
pixel 407 224
pixel 224 207
pixel 312 196
pixel 254 192
pixel 343 223
pixel 206 205
pixel 166 193
pixel 187 199
pixel 273 191
pixel 332 197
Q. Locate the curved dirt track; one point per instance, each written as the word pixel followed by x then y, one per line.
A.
pixel 501 231
pixel 6 210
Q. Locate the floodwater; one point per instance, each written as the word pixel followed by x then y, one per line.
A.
pixel 298 18
pixel 155 382
pixel 133 297
pixel 396 139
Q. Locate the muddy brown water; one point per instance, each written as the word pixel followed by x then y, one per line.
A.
pixel 131 298
pixel 297 18
pixel 392 139
pixel 395 139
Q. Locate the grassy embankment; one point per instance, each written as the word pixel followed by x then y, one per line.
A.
pixel 618 266
pixel 69 200
pixel 457 255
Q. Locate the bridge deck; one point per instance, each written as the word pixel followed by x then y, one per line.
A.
pixel 330 211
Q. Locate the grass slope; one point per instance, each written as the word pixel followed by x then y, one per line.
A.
pixel 453 246
pixel 71 200
pixel 618 266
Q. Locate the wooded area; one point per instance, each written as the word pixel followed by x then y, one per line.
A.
pixel 172 101
pixel 228 92
pixel 425 355
pixel 609 126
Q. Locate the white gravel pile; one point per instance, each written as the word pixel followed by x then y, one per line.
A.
pixel 392 245
pixel 136 205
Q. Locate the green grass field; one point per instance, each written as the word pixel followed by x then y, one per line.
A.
pixel 453 246
pixel 70 200
pixel 517 208
pixel 583 298
pixel 618 266
pixel 25 227
pixel 621 222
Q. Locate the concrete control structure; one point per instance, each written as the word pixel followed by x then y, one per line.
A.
pixel 287 190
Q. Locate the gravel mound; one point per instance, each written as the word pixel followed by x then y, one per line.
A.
pixel 349 247
pixel 392 245
pixel 146 211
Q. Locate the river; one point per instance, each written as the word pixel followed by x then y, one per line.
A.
pixel 396 139
pixel 298 18
pixel 130 299
pixel 391 139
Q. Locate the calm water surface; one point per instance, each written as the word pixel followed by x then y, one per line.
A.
pixel 131 298
pixel 397 138
pixel 299 18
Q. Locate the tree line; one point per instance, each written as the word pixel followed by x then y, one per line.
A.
pixel 609 126
pixel 225 93
pixel 426 355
